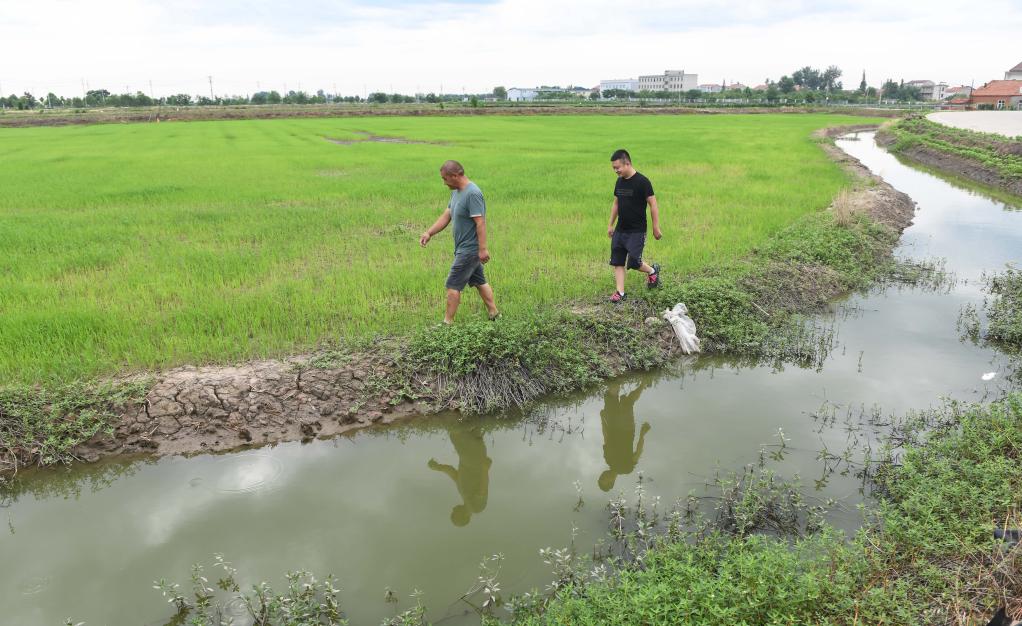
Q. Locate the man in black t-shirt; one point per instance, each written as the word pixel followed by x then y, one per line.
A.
pixel 632 193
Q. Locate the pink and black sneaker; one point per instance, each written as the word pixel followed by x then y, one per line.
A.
pixel 617 297
pixel 653 280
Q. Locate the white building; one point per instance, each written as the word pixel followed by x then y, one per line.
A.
pixel 624 84
pixel 519 94
pixel 710 88
pixel 675 81
pixel 929 90
pixel 1014 73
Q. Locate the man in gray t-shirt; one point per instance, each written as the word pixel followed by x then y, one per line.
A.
pixel 467 210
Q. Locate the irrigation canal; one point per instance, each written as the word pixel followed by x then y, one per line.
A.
pixel 418 506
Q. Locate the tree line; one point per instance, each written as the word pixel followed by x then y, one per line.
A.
pixel 806 84
pixel 104 98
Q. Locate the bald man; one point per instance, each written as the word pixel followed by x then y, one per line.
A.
pixel 467 210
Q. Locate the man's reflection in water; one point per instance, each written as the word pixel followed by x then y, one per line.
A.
pixel 618 419
pixel 472 477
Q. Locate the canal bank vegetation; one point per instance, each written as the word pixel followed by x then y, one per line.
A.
pixel 752 307
pixel 942 482
pixel 986 158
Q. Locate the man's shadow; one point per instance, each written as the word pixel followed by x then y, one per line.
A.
pixel 618 421
pixel 472 476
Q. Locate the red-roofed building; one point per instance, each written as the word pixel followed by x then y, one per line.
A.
pixel 999 94
pixel 1014 73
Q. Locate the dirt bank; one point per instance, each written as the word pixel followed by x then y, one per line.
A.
pixel 985 172
pixel 198 409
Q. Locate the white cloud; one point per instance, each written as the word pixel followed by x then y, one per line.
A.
pixel 408 45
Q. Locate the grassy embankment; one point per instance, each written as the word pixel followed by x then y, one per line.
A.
pixel 986 158
pixel 132 248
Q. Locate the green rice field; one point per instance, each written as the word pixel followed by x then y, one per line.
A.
pixel 126 247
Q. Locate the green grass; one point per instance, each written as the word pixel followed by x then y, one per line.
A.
pixel 126 247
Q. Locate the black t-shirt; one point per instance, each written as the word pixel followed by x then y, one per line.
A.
pixel 631 196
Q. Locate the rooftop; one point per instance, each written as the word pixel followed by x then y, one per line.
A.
pixel 999 88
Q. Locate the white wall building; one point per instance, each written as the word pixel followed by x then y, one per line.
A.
pixel 519 94
pixel 929 90
pixel 624 84
pixel 675 81
pixel 1014 73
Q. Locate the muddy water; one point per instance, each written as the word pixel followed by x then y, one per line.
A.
pixel 418 506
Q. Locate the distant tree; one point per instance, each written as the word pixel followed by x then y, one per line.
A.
pixel 378 96
pixel 807 78
pixel 431 97
pixel 500 93
pixel 181 99
pixel 786 84
pixel 96 97
pixel 594 94
pixel 274 97
pixel 772 91
pixel 862 83
pixel 260 97
pixel 829 78
pixel 693 94
pixel 474 101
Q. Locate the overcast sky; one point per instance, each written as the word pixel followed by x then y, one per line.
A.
pixel 411 46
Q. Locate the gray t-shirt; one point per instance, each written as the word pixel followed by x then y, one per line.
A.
pixel 465 204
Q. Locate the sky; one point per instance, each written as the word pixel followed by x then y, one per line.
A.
pixel 470 46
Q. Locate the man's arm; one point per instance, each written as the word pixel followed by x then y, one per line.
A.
pixel 444 469
pixel 654 211
pixel 440 224
pixel 484 253
pixel 613 218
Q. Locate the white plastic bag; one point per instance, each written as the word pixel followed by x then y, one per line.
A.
pixel 684 327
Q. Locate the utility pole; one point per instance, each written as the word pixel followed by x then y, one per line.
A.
pixel 211 96
pixel 151 94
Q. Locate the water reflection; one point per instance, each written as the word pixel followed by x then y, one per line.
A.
pixel 618 421
pixel 472 476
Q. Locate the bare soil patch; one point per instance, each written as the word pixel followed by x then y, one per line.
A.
pixel 366 136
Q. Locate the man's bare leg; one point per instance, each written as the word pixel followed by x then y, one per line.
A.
pixel 486 293
pixel 646 268
pixel 619 277
pixel 453 300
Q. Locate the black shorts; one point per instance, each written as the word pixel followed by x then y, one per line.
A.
pixel 626 249
pixel 467 269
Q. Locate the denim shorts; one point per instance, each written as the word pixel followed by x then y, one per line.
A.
pixel 467 269
pixel 627 247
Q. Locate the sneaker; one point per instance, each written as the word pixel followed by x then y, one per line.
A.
pixel 653 280
pixel 495 316
pixel 617 297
